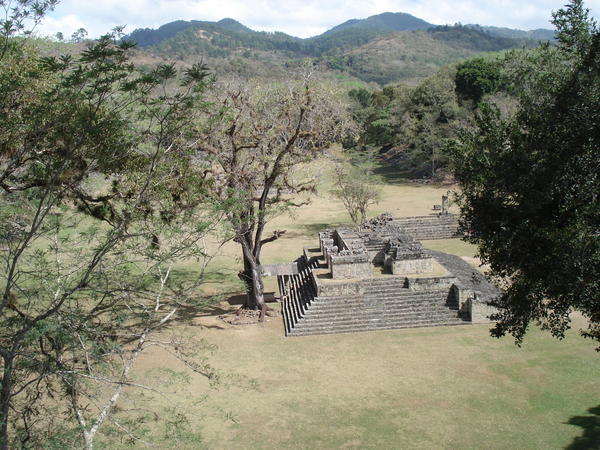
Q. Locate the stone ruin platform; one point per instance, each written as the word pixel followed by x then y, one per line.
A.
pixel 380 277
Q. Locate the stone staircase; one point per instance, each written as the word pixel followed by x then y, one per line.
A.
pixel 385 304
pixel 297 293
pixel 430 227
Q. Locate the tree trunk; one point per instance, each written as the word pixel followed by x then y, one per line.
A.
pixel 5 396
pixel 255 298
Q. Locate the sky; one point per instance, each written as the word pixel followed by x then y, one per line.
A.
pixel 302 18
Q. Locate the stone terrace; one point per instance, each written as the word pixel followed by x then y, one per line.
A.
pixel 343 286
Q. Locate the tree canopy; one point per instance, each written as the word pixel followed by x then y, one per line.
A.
pixel 530 184
pixel 94 186
pixel 254 141
pixel 477 77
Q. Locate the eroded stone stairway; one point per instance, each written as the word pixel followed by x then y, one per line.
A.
pixel 429 227
pixel 384 304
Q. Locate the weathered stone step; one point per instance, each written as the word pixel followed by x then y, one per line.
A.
pixel 384 309
pixel 406 317
pixel 389 308
pixel 380 305
pixel 370 299
pixel 313 309
pixel 351 329
pixel 375 321
pixel 402 292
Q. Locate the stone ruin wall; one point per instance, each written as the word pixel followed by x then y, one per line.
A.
pixel 476 310
pixel 347 264
pixel 402 266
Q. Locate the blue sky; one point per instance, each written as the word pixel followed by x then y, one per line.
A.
pixel 301 18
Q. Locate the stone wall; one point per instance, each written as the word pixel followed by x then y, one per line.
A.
pixel 377 256
pixel 480 311
pixel 350 266
pixel 326 240
pixel 408 266
pixel 424 284
pixel 462 295
pixel 337 288
pixel 271 270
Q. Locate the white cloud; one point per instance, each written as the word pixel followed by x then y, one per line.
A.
pixel 297 17
pixel 66 25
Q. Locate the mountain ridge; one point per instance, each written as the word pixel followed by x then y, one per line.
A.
pixel 379 24
pixel 378 49
pixel 385 21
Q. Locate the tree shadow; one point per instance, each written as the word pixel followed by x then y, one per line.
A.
pixel 210 306
pixel 393 175
pixel 590 424
pixel 314 228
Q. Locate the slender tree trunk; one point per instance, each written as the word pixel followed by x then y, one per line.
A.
pixel 255 299
pixel 5 397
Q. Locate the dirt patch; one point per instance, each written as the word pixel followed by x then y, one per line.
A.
pixel 247 316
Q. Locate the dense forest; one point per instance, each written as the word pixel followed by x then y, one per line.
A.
pixel 411 126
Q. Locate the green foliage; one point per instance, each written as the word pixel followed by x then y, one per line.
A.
pixel 384 22
pixel 87 134
pixel 530 185
pixel 539 34
pixel 362 96
pixel 475 39
pixel 477 77
pixel 412 124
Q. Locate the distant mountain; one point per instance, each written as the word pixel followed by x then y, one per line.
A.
pixel 233 25
pixel 539 34
pixel 384 22
pixel 386 48
pixel 412 55
pixel 370 27
pixel 146 37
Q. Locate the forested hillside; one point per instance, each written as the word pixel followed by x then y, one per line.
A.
pixel 411 127
pixel 387 48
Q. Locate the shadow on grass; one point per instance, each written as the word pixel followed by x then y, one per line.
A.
pixel 211 306
pixel 314 228
pixel 590 424
pixel 393 175
pixel 189 276
pixel 237 300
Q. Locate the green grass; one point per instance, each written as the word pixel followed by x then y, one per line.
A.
pixel 453 246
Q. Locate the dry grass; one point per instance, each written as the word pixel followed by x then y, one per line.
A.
pixel 448 387
pixel 451 387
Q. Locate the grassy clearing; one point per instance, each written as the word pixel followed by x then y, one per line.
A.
pixel 448 387
pixel 425 388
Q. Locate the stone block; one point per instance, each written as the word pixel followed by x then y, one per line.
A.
pixel 338 289
pixel 341 269
pixel 481 311
pixel 425 284
pixel 408 266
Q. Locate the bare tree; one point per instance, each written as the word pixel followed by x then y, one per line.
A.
pixel 254 140
pixel 356 185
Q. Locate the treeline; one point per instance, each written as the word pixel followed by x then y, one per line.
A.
pixel 477 39
pixel 412 126
pixel 215 40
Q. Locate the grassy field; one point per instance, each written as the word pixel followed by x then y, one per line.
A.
pixel 452 387
pixel 447 387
